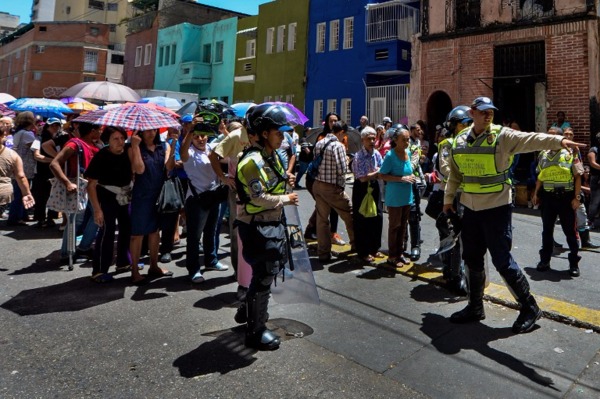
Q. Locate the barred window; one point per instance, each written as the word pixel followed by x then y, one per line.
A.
pixel 320 46
pixel 90 63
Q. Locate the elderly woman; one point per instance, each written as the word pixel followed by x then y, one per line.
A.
pixel 150 161
pixel 365 167
pixel 397 171
pixel 109 186
pixel 22 140
pixel 11 166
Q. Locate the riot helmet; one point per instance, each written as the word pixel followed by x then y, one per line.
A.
pixel 266 116
pixel 458 115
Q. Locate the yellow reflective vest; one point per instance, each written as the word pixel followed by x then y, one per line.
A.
pixel 257 174
pixel 476 160
pixel 555 171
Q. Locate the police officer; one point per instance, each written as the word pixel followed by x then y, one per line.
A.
pixel 261 185
pixel 559 188
pixel 456 120
pixel 481 158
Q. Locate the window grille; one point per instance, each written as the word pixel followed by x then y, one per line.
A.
pixel 391 20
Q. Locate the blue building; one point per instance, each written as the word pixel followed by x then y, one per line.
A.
pixel 359 59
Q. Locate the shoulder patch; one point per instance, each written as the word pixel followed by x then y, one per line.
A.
pixel 255 188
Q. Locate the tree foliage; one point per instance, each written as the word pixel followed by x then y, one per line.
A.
pixel 145 5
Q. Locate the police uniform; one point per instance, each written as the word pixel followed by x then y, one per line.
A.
pixel 559 174
pixel 480 167
pixel 261 186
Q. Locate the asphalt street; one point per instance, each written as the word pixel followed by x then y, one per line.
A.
pixel 376 334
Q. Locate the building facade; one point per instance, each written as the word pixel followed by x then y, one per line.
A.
pixel 360 59
pixel 245 61
pixel 48 57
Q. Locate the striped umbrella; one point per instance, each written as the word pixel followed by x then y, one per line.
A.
pixel 129 117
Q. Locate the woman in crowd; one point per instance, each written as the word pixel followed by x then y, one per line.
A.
pixel 150 161
pixel 109 188
pixel 41 181
pixel 12 166
pixel 169 222
pixel 23 138
pixel 365 167
pixel 397 171
pixel 382 141
pixel 201 206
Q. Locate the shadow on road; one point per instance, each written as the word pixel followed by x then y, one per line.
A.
pixel 552 275
pixel 70 296
pixel 448 339
pixel 432 293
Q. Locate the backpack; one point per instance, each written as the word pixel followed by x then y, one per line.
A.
pixel 313 167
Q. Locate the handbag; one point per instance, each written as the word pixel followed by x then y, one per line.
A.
pixel 435 204
pixel 368 207
pixel 212 197
pixel 60 200
pixel 171 197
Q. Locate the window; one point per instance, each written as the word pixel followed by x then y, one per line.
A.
pixel 67 10
pixel 37 75
pixel 334 35
pixel 96 4
pixel 392 20
pixel 112 6
pixel 138 56
pixel 317 112
pixel 332 105
pixel 89 79
pixel 468 14
pixel 43 29
pixel 173 53
pixel 289 98
pixel 118 59
pixel 251 48
pixel 247 67
pixel 268 99
pixel 167 54
pixel 161 54
pixel 148 54
pixel 320 47
pixel 270 33
pixel 219 51
pixel 94 31
pixel 206 56
pixel 348 33
pixel 40 49
pixel 18 54
pixel 280 38
pixel 90 63
pixel 225 99
pixel 291 42
pixel 346 110
pixel 112 27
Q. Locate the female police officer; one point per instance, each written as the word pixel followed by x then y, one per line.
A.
pixel 261 185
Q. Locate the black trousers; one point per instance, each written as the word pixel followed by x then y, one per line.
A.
pixel 553 206
pixel 367 231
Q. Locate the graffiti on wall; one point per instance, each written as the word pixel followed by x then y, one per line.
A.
pixel 53 92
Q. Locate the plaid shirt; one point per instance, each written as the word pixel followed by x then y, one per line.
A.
pixel 333 168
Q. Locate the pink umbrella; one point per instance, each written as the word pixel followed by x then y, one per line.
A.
pixel 129 117
pixel 5 111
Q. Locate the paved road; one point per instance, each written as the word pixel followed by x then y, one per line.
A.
pixel 376 334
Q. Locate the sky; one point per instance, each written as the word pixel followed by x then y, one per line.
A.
pixel 22 8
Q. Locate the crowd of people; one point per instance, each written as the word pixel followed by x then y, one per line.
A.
pixel 244 171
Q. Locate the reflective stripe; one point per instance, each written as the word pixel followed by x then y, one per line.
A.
pixel 549 186
pixel 474 150
pixel 484 180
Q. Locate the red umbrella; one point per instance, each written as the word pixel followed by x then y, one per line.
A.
pixel 130 117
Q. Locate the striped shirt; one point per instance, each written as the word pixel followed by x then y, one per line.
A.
pixel 333 168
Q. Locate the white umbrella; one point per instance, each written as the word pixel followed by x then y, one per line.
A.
pixel 102 90
pixel 5 97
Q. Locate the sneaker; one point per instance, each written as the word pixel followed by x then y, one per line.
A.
pixel 529 204
pixel 218 267
pixel 166 258
pixel 197 278
pixel 336 239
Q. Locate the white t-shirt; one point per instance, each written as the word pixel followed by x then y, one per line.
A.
pixel 199 170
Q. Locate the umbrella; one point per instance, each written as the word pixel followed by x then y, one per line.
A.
pixel 217 106
pixel 157 107
pixel 130 117
pixel 189 108
pixel 354 140
pixel 166 102
pixel 5 111
pixel 41 106
pixel 294 115
pixel 81 106
pixel 5 97
pixel 68 100
pixel 240 109
pixel 102 90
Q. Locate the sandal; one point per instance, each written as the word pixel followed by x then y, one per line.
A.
pixel 378 255
pixel 159 273
pixel 391 261
pixel 368 258
pixel 102 278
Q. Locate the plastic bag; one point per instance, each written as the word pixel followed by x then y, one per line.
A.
pixel 368 207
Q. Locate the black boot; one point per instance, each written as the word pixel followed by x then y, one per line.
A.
pixel 241 316
pixel 415 241
pixel 257 334
pixel 574 264
pixel 530 312
pixel 585 240
pixel 474 310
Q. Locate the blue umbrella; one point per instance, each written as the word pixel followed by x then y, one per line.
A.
pixel 41 106
pixel 240 109
pixel 166 102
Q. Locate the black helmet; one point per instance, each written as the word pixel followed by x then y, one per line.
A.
pixel 458 115
pixel 266 116
pixel 395 129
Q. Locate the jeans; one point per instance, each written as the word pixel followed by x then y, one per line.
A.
pixel 84 224
pixel 302 168
pixel 16 211
pixel 594 201
pixel 223 206
pixel 200 221
pixel 489 229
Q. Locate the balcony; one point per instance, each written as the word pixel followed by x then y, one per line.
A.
pixel 388 58
pixel 194 73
